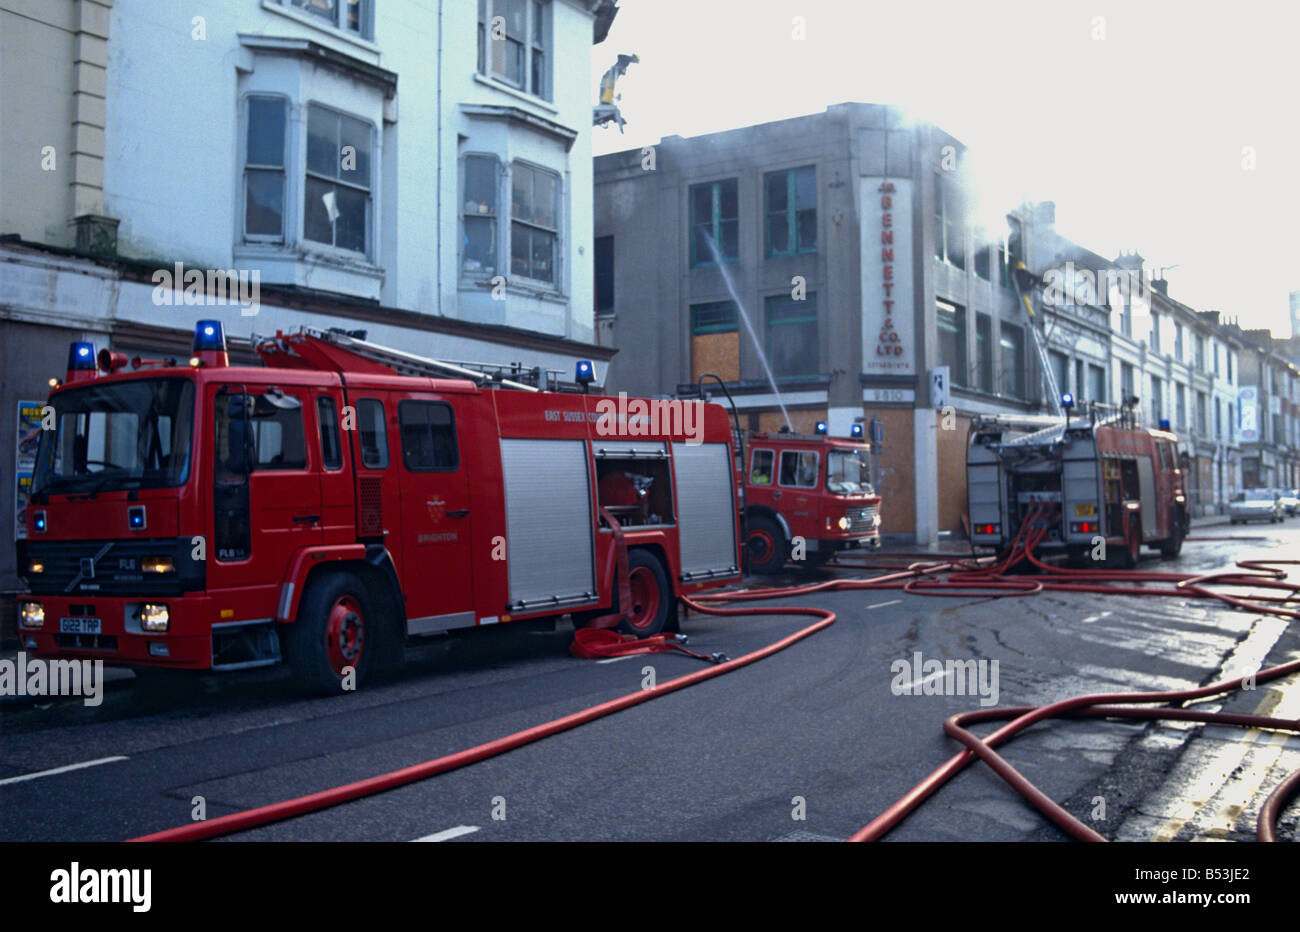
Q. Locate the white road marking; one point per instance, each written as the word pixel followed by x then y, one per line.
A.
pixel 449 833
pixel 883 604
pixel 617 659
pixel 50 773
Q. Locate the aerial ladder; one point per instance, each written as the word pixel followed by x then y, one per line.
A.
pixel 287 348
pixel 1023 280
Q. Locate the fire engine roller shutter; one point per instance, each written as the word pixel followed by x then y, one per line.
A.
pixel 1080 484
pixel 1147 488
pixel 706 509
pixel 984 487
pixel 549 523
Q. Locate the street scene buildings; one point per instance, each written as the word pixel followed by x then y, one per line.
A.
pixel 854 304
pixel 132 205
pixel 378 373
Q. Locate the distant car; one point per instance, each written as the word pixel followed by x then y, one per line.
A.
pixel 1255 505
pixel 1290 499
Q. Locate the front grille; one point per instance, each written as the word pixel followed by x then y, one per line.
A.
pixel 109 567
pixel 862 520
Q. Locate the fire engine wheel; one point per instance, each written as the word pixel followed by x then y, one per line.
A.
pixel 1174 545
pixel 765 545
pixel 652 598
pixel 1133 547
pixel 331 636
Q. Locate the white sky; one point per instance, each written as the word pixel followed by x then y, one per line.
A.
pixel 1137 137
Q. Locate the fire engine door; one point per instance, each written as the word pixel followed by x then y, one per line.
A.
pixel 265 494
pixel 436 542
pixel 336 485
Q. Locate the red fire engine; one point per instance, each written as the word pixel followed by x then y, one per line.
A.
pixel 346 497
pixel 816 488
pixel 1100 477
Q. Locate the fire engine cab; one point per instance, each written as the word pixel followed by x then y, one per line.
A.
pixel 345 497
pixel 1093 478
pixel 816 488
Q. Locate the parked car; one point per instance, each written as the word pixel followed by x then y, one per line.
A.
pixel 1255 505
pixel 1290 501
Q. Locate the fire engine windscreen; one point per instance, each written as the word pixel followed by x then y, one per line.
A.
pixel 127 435
pixel 847 473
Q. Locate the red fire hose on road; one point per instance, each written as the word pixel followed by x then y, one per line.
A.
pixel 964 577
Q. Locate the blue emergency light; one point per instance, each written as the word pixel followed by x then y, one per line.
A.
pixel 1067 400
pixel 209 344
pixel 1164 423
pixel 856 431
pixel 820 428
pixel 81 356
pixel 209 335
pixel 583 372
pixel 38 521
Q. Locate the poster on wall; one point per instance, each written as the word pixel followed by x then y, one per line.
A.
pixel 25 443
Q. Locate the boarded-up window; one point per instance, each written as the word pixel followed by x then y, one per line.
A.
pixel 715 342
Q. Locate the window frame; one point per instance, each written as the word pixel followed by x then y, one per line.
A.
pixel 946 200
pixel 365 19
pixel 814 318
pixel 1021 389
pixel 698 329
pixel 401 434
pixel 499 175
pixel 537 40
pixel 255 391
pixel 715 219
pixel 330 420
pixel 790 212
pixel 369 190
pixel 246 112
pixel 817 470
pixel 771 476
pixel 535 227
pixel 957 373
pixel 382 444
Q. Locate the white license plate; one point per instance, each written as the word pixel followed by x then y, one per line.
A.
pixel 79 625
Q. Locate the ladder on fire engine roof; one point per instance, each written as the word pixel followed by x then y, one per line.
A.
pixel 1043 362
pixel 404 363
pixel 1046 429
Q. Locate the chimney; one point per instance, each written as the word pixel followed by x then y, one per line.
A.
pixel 1160 285
pixel 1130 260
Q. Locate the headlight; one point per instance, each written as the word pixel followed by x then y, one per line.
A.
pixel 36 566
pixel 154 617
pixel 158 565
pixel 875 519
pixel 844 523
pixel 31 614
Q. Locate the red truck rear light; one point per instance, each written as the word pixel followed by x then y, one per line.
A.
pixel 986 529
pixel 1084 527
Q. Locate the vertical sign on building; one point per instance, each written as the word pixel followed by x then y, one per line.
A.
pixel 888 313
pixel 1247 404
pixel 29 437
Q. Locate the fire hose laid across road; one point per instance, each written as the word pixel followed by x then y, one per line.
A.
pixel 960 578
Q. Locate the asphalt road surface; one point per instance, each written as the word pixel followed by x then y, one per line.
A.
pixel 807 745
